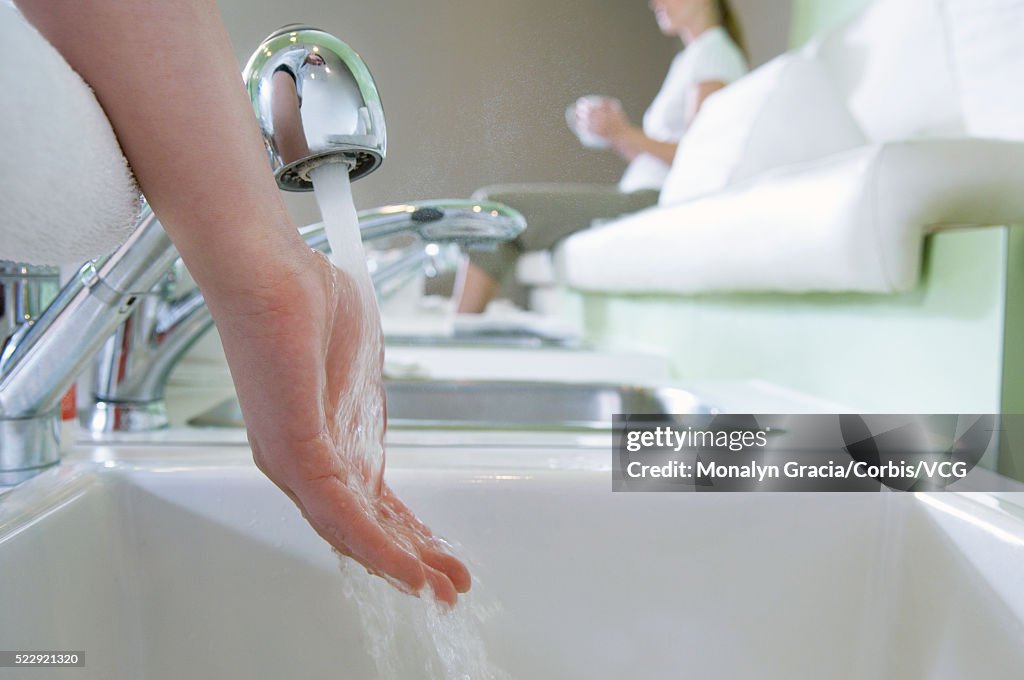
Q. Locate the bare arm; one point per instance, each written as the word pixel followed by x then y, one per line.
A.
pixel 167 79
pixel 170 85
pixel 632 142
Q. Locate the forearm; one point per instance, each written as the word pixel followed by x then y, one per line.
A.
pixel 632 142
pixel 165 57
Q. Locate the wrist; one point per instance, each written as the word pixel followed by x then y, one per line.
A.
pixel 628 141
pixel 259 275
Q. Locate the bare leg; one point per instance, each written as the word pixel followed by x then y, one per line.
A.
pixel 473 289
pixel 553 212
pixel 169 83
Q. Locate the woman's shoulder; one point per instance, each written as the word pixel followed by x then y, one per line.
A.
pixel 713 56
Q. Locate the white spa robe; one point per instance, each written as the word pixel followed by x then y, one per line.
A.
pixel 713 56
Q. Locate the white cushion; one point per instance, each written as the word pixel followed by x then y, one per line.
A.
pixel 893 64
pixel 851 222
pixel 536 268
pixel 988 54
pixel 784 112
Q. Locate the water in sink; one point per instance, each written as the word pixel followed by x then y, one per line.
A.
pixel 418 640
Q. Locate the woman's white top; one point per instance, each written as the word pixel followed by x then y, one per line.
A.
pixel 712 56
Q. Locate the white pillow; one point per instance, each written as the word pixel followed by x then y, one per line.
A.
pixel 853 221
pixel 988 57
pixel 893 66
pixel 785 112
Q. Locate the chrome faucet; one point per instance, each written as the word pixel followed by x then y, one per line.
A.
pixel 44 356
pixel 316 103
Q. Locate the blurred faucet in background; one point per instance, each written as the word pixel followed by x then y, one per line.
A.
pixel 133 366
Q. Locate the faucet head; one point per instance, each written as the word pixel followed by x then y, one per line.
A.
pixel 316 103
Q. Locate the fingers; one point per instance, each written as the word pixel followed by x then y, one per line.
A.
pixel 442 587
pixel 439 584
pixel 449 565
pixel 432 551
pixel 434 554
pixel 349 525
pixel 395 548
pixel 383 536
pixel 596 108
pixel 595 121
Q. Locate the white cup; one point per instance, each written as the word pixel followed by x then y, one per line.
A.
pixel 587 138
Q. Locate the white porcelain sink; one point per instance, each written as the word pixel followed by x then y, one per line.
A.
pixel 180 563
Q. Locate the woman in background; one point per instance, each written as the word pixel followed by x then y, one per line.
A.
pixel 713 57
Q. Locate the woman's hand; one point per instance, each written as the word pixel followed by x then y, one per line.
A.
pixel 306 356
pixel 602 117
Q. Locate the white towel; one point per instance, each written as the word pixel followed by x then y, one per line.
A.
pixel 66 192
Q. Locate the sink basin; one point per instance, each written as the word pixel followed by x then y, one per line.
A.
pixel 504 338
pixel 188 563
pixel 504 404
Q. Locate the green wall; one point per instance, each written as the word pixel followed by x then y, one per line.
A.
pixel 811 17
pixel 1011 458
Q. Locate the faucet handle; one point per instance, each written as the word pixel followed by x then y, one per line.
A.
pixel 316 102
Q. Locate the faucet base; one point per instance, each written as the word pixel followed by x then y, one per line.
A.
pixel 29 446
pixel 111 416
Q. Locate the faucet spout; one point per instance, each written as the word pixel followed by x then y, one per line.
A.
pixel 316 102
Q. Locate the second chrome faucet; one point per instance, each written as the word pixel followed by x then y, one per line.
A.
pixel 132 368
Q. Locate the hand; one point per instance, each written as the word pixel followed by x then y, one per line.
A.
pixel 306 354
pixel 602 117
